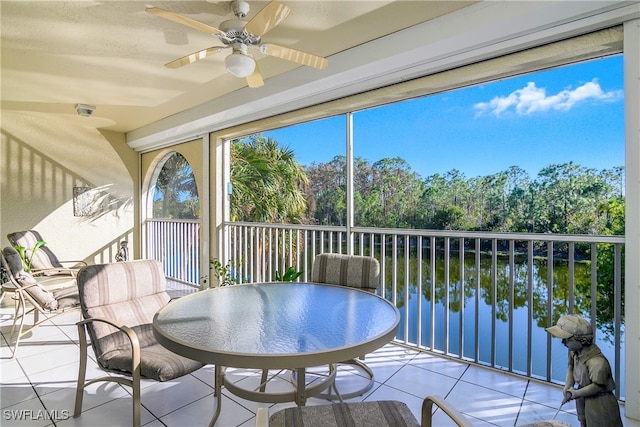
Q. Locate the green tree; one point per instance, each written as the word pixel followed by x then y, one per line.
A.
pixel 268 184
pixel 175 192
pixel 328 192
pixel 397 189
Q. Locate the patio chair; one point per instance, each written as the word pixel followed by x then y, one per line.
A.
pixel 50 296
pixel 119 301
pixel 42 260
pixel 355 271
pixel 389 413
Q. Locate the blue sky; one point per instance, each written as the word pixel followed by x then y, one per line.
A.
pixel 573 113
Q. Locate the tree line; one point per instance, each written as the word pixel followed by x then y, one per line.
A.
pixel 270 186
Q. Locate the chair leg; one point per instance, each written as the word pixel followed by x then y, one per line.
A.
pixel 136 402
pixel 82 372
pixel 18 308
pixel 20 333
pixel 135 385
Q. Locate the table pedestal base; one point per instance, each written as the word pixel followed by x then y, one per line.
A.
pixel 299 395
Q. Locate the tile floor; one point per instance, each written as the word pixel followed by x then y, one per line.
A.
pixel 38 388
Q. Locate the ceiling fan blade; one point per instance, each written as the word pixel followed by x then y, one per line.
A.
pixel 293 55
pixel 270 16
pixel 196 56
pixel 183 20
pixel 255 80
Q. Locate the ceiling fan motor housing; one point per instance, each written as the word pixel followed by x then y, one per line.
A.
pixel 234 32
pixel 240 8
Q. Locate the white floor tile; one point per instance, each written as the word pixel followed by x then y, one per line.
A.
pixel 440 365
pixel 163 398
pixel 93 396
pixel 11 371
pixel 28 413
pixel 421 382
pixel 485 404
pixel 502 382
pixel 117 412
pixel 199 413
pixel 13 394
pixel 41 383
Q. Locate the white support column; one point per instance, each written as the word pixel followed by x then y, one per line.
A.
pixel 350 184
pixel 205 222
pixel 632 214
pixel 219 178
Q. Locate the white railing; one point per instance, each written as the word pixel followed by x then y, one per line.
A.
pixel 176 243
pixel 514 285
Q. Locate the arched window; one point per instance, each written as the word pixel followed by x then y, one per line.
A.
pixel 175 193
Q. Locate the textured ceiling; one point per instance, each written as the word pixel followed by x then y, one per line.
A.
pixel 111 54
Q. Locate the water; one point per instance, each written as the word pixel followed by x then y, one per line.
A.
pixel 507 314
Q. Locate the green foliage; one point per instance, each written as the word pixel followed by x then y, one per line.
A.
pixel 563 198
pixel 175 193
pixel 290 275
pixel 26 262
pixel 225 274
pixel 268 184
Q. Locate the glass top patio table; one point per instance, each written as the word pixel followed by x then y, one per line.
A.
pixel 276 325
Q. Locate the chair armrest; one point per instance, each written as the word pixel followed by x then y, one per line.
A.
pixel 40 281
pixel 453 413
pixel 133 338
pixel 48 280
pixel 79 263
pixel 44 272
pixel 262 417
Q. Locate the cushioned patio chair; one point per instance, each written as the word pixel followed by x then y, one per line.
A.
pixel 390 413
pixel 49 296
pixel 42 260
pixel 118 302
pixel 355 271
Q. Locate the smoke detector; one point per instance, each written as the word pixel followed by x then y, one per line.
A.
pixel 85 110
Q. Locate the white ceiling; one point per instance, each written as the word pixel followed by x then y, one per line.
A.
pixel 111 54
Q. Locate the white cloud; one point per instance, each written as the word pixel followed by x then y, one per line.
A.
pixel 532 99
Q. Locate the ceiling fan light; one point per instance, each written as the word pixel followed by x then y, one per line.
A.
pixel 239 64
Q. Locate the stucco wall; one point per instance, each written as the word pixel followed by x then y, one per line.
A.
pixel 43 159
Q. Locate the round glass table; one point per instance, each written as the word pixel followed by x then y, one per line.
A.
pixel 276 326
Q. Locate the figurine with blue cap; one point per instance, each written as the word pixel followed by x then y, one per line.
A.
pixel 590 371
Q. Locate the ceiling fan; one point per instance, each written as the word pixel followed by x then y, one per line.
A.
pixel 241 36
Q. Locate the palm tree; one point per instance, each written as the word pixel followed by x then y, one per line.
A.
pixel 268 183
pixel 175 192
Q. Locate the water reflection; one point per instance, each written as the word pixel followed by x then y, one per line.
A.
pixel 502 311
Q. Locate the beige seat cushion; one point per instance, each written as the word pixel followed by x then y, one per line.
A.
pixel 355 271
pixel 42 258
pixel 51 294
pixel 129 293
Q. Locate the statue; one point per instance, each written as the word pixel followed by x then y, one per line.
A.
pixel 123 253
pixel 596 404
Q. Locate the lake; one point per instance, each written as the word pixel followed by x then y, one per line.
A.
pixel 510 312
